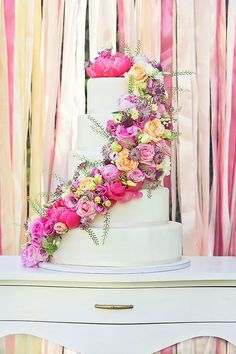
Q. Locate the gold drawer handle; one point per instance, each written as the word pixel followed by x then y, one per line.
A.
pixel 113 307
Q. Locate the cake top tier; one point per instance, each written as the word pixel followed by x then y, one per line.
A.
pixel 104 93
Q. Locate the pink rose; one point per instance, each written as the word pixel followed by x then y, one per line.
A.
pixel 108 65
pixel 60 228
pixel 115 190
pixel 49 227
pixel 127 136
pixel 86 207
pixel 136 175
pixel 110 172
pixel 71 201
pixel 70 218
pixel 55 213
pixel 147 152
pixel 32 255
pixel 37 228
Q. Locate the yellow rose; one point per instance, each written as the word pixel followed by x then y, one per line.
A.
pixel 138 72
pixel 87 184
pixel 154 129
pixel 123 162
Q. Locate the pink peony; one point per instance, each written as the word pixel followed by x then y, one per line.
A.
pixel 110 172
pixel 70 218
pixel 86 207
pixel 147 153
pixel 115 190
pixel 127 136
pixel 32 255
pixel 108 65
pixel 136 175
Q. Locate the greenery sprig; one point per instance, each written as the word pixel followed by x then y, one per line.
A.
pixel 37 208
pixel 106 226
pixel 98 128
pixel 92 235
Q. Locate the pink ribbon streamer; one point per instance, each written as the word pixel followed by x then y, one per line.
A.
pixel 166 57
pixel 9 10
pixel 121 24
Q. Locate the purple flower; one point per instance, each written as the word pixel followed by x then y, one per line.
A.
pixel 100 190
pixel 110 172
pixel 95 171
pixel 37 228
pixel 111 127
pixel 127 101
pixel 134 154
pixel 159 173
pixel 100 209
pixel 71 201
pixel 158 158
pixel 32 255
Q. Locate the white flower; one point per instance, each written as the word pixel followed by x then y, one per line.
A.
pixel 159 76
pixel 149 69
pixel 165 166
pixel 140 59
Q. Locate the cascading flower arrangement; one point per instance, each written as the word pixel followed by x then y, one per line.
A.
pixel 136 157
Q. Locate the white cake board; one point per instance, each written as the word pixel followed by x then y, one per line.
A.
pixel 184 263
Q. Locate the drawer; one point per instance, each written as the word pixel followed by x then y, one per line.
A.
pixel 149 305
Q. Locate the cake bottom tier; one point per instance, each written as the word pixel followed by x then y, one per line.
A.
pixel 141 246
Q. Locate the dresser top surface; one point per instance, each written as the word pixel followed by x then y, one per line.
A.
pixel 202 269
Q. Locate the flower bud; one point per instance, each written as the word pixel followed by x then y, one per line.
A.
pixel 107 203
pixel 79 192
pixel 167 134
pixel 153 107
pixel 98 179
pixel 117 117
pixel 115 146
pixel 97 200
pixel 131 183
pixel 134 113
pixel 145 139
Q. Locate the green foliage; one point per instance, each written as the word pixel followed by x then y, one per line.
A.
pixel 36 206
pixel 98 128
pixel 131 84
pixel 92 235
pixel 51 244
pixel 106 226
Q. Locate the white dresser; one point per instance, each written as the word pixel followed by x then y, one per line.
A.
pixel 120 313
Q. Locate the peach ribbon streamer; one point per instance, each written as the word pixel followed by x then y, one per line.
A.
pixel 24 25
pixel 202 17
pixel 126 27
pixel 102 26
pixel 147 27
pixel 72 98
pixel 9 8
pixel 36 141
pixel 187 101
pixel 51 57
pixel 7 237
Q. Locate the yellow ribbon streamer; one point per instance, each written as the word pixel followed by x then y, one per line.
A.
pixel 102 26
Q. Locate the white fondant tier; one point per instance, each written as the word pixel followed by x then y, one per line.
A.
pixel 136 246
pixel 139 212
pixel 103 94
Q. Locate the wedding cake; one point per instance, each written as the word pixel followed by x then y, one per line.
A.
pixel 137 230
